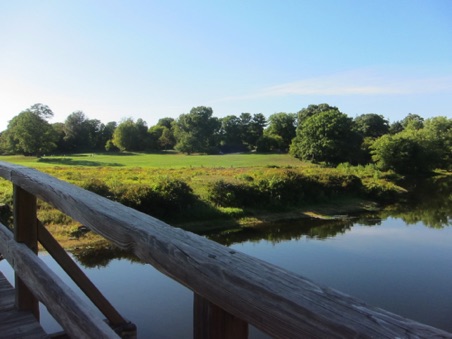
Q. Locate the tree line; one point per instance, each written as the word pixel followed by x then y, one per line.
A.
pixel 318 133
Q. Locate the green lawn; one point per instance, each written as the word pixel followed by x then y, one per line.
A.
pixel 171 160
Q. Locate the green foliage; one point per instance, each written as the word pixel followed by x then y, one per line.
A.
pixel 160 200
pixel 97 186
pixel 228 194
pixel 282 188
pixel 312 110
pixel 371 125
pixel 413 151
pixel 270 143
pixel 284 126
pixel 197 131
pixel 325 137
pixel 132 136
pixel 82 134
pixel 29 133
pixel 438 131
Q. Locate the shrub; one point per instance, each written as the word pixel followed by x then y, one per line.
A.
pixel 97 186
pixel 175 194
pixel 227 194
pixel 161 200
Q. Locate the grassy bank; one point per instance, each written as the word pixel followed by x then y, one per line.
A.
pixel 205 193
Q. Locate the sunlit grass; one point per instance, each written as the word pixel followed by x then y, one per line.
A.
pixel 167 160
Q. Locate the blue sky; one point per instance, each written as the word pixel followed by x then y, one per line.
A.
pixel 153 59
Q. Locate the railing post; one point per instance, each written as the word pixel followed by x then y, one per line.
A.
pixel 211 321
pixel 25 231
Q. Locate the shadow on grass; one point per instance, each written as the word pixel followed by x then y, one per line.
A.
pixel 70 162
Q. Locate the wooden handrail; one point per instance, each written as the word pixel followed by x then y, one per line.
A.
pixel 76 316
pixel 278 302
pixel 76 274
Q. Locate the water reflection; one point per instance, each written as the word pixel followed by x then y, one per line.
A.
pixel 292 230
pixel 430 202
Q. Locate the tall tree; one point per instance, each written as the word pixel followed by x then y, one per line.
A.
pixel 106 134
pixel 311 110
pixel 252 127
pixel 231 134
pixel 30 133
pixel 403 153
pixel 371 125
pixel 283 125
pixel 131 136
pixel 438 131
pixel 325 137
pixel 79 132
pixel 413 121
pixel 197 131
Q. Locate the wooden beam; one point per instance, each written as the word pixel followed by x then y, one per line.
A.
pixel 211 321
pixel 77 318
pixel 26 232
pixel 76 274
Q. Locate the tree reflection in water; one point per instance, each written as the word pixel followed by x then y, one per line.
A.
pixel 430 203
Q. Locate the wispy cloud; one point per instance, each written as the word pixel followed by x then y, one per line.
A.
pixel 359 82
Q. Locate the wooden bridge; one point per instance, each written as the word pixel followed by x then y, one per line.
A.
pixel 231 289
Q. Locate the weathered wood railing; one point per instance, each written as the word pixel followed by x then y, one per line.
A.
pixel 231 289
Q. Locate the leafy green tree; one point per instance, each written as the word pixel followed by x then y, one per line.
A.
pixel 29 133
pixel 166 122
pixel 80 132
pixel 404 153
pixel 58 127
pixel 131 136
pixel 167 139
pixel 106 134
pixel 269 143
pixel 231 134
pixel 325 137
pixel 395 127
pixel 197 131
pixel 283 125
pixel 252 128
pixel 419 148
pixel 371 125
pixel 41 110
pixel 438 131
pixel 311 110
pixel 412 121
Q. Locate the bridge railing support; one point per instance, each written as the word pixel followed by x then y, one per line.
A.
pixel 26 232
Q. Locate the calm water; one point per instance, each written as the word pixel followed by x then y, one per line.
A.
pixel 399 260
pixel 404 269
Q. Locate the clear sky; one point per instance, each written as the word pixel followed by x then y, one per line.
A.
pixel 153 59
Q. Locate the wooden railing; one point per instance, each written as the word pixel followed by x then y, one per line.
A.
pixel 231 289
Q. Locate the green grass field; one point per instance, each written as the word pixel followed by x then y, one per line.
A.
pixel 197 171
pixel 170 160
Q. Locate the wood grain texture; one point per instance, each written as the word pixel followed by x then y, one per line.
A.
pixel 75 316
pixel 211 321
pixel 78 276
pixel 26 232
pixel 15 324
pixel 278 302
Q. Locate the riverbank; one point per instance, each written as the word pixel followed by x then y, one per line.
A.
pixel 77 237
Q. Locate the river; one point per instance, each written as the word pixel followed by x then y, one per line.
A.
pixel 399 260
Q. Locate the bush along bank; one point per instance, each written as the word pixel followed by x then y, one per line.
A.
pixel 226 196
pixel 173 200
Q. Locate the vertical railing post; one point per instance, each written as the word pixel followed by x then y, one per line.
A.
pixel 211 321
pixel 25 231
